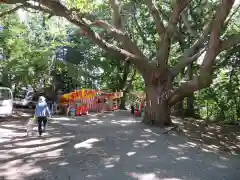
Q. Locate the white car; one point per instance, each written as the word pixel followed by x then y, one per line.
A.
pixel 6 101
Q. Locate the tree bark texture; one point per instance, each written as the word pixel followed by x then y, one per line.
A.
pixel 158 87
pixel 157 111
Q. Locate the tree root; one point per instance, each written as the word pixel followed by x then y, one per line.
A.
pixel 175 128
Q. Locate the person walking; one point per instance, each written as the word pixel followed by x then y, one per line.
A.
pixel 42 112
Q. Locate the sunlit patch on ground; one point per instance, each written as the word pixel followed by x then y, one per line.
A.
pixel 87 144
pixel 62 118
pixel 141 176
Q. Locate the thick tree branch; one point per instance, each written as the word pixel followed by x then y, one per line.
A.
pixel 231 41
pixel 40 8
pixel 117 33
pixel 199 43
pixel 140 32
pixel 193 51
pixel 165 42
pixel 178 8
pixel 117 22
pixel 235 10
pixel 126 72
pixel 185 90
pixel 28 5
pixel 163 51
pixel 116 16
pixel 189 87
pixel 188 26
pixel 129 83
pixel 184 61
pixel 78 19
pixel 156 16
pixel 14 1
pixel 214 46
pixel 146 42
pixel 11 10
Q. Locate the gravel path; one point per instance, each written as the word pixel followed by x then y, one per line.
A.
pixel 113 147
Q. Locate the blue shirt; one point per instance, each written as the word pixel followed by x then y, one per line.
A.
pixel 42 110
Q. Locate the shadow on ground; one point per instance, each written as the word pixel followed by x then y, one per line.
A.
pixel 113 146
pixel 213 136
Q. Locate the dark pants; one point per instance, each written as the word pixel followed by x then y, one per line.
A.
pixel 40 121
pixel 132 109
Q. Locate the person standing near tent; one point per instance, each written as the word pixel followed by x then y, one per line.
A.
pixel 104 105
pixel 42 112
pixel 99 102
pixel 132 109
pixel 49 101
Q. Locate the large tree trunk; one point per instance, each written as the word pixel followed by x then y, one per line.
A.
pixel 190 99
pixel 126 86
pixel 157 111
pixel 123 101
pixel 179 107
pixel 122 84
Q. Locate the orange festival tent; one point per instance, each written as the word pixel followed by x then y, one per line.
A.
pixel 82 94
pixel 85 94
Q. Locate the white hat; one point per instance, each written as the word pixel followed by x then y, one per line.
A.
pixel 42 98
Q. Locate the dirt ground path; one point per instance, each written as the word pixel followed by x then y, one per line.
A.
pixel 113 147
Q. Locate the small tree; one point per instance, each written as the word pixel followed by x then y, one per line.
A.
pixel 157 73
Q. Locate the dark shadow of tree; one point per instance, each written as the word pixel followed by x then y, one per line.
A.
pixel 213 135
